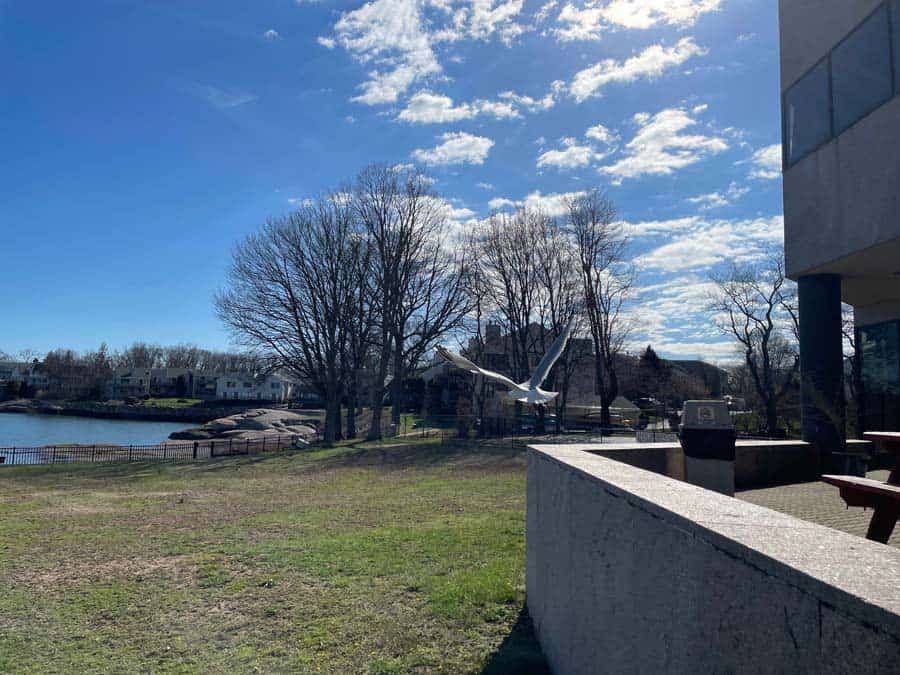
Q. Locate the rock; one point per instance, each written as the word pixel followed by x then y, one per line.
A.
pixel 251 425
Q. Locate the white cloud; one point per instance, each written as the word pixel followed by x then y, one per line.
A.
pixel 397 38
pixel 272 34
pixel 659 147
pixel 553 204
pixel 655 228
pixel 391 35
pixel 425 107
pixel 715 200
pixel 541 15
pixel 601 134
pixel 766 163
pixel 488 16
pixel 532 104
pixel 458 147
pixel 502 203
pixel 572 156
pixel 709 242
pixel 590 20
pixel 484 186
pixel 650 63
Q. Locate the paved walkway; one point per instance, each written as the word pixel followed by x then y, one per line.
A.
pixel 818 503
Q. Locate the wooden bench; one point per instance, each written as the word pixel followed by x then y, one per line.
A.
pixel 883 498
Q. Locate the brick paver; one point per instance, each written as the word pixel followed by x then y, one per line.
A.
pixel 818 503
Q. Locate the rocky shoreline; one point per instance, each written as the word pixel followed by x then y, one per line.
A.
pixel 252 425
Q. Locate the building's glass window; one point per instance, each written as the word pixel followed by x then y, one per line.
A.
pixel 807 114
pixel 895 22
pixel 861 71
pixel 880 361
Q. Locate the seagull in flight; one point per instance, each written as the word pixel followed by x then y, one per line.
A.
pixel 526 392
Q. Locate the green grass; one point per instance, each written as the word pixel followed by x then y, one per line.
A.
pixel 381 560
pixel 171 402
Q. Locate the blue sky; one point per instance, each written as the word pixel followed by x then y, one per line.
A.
pixel 142 140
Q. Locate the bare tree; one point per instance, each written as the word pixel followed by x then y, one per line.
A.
pixel 855 406
pixel 756 305
pixel 292 295
pixel 607 280
pixel 510 279
pixel 418 285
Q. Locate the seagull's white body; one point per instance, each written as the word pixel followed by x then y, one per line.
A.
pixel 526 392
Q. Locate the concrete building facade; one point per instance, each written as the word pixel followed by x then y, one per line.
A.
pixel 840 80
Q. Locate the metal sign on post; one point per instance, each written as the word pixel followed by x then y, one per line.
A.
pixel 707 438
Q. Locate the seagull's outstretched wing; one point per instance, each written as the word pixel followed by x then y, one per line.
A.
pixel 464 364
pixel 555 351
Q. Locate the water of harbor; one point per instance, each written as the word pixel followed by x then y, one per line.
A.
pixel 27 430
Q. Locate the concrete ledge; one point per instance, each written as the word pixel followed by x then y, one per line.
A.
pixel 757 463
pixel 628 571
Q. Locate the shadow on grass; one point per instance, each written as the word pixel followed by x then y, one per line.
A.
pixel 401 456
pixel 520 651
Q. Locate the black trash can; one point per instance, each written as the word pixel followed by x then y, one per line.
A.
pixel 707 439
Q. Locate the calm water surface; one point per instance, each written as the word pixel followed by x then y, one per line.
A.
pixel 21 430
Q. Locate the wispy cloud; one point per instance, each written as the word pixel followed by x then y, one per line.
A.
pixel 219 97
pixel 649 64
pixel 660 147
pixel 766 163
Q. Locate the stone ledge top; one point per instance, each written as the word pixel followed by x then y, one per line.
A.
pixel 858 577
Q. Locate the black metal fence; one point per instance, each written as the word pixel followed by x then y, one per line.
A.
pixel 162 452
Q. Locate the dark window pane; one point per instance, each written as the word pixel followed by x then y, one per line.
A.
pixel 895 20
pixel 861 71
pixel 807 114
pixel 880 352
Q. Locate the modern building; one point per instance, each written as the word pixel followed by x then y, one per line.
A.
pixel 840 80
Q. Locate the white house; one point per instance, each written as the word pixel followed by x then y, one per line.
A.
pixel 244 387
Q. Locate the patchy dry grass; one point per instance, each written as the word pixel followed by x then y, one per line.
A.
pixel 376 560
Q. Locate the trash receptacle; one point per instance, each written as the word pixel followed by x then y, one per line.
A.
pixel 707 439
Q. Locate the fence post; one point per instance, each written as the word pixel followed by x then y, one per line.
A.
pixel 247 449
pixel 212 449
pixel 53 456
pixel 13 458
pixel 196 445
pixel 264 444
pixel 165 450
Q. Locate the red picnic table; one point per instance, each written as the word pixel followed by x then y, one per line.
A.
pixel 883 498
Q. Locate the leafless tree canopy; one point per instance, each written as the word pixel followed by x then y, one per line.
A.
pixel 419 283
pixel 757 306
pixel 607 281
pixel 294 291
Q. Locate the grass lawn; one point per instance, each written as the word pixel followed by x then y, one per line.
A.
pixel 375 560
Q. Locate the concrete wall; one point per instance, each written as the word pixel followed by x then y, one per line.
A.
pixel 843 199
pixel 628 572
pixel 756 463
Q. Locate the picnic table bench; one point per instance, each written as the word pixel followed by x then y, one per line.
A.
pixel 883 498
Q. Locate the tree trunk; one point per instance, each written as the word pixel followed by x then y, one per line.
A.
pixel 540 425
pixel 352 397
pixel 378 391
pixel 771 417
pixel 397 386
